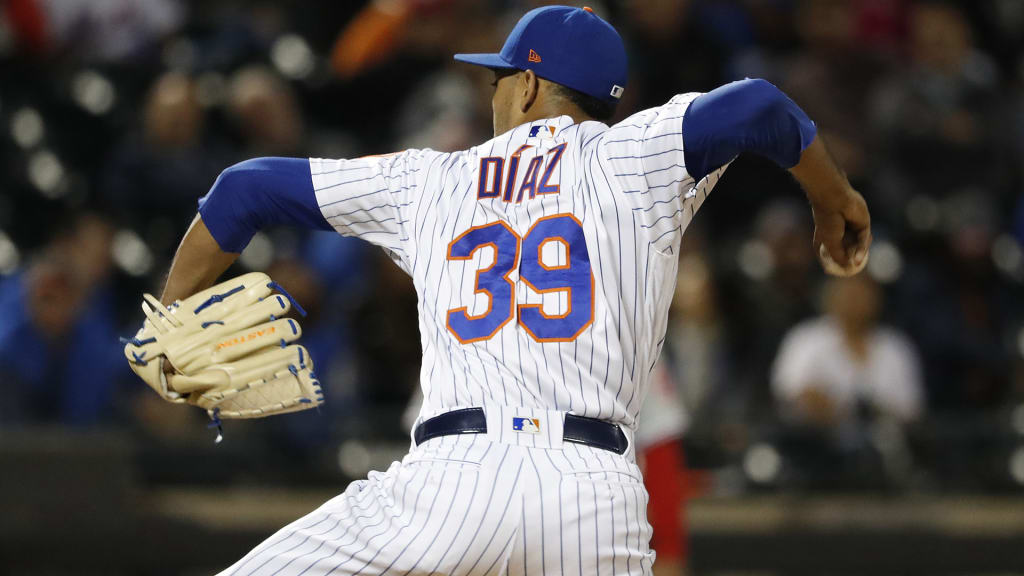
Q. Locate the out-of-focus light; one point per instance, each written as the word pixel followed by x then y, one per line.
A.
pixel 292 56
pixel 1007 256
pixel 885 263
pixel 1017 419
pixel 180 54
pixel 27 127
pixel 1020 342
pixel 756 260
pixel 354 459
pixel 130 253
pixel 93 92
pixel 1017 465
pixel 923 214
pixel 258 254
pixel 211 89
pixel 46 173
pixel 762 463
pixel 9 256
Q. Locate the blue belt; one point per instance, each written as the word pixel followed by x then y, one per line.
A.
pixel 577 429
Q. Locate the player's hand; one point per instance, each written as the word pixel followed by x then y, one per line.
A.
pixel 842 233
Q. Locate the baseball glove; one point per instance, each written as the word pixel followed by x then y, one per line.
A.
pixel 229 347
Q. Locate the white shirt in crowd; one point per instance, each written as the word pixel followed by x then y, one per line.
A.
pixel 814 355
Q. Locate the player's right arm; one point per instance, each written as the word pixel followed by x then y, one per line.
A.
pixel 663 155
pixel 369 198
pixel 754 116
pixel 842 224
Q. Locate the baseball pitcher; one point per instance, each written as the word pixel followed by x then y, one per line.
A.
pixel 544 260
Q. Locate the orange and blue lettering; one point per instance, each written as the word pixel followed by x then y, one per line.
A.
pixel 556 155
pixel 492 281
pixel 513 168
pixel 530 179
pixel 495 182
pixel 574 278
pixel 492 166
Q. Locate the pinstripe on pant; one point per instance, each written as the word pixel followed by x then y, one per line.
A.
pixel 471 505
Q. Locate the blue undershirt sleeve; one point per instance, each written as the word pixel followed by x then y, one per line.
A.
pixel 258 193
pixel 750 115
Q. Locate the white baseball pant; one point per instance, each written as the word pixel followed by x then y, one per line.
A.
pixel 473 504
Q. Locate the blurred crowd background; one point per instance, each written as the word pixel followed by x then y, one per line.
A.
pixel 117 115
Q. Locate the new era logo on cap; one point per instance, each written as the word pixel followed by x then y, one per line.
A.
pixel 534 57
pixel 617 91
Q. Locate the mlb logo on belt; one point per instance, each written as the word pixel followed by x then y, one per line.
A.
pixel 530 425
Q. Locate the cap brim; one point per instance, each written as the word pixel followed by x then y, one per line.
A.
pixel 493 61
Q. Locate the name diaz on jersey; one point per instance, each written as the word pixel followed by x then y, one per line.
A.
pixel 493 170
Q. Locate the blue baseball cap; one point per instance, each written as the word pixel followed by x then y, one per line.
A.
pixel 568 46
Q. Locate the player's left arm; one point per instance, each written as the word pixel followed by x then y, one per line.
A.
pixel 245 199
pixel 197 264
pixel 183 361
pixel 754 116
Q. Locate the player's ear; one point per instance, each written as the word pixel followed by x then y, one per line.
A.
pixel 530 87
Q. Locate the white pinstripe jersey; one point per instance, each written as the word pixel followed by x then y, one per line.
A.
pixel 499 240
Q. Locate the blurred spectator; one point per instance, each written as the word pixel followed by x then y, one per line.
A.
pixel 828 366
pixel 881 24
pixel 98 31
pixel 371 36
pixel 387 341
pixel 958 309
pixel 59 358
pixel 836 374
pixel 698 355
pixel 442 113
pixel 436 28
pixel 156 174
pixel 939 115
pixel 832 78
pixel 266 113
pixel 670 53
pixel 777 291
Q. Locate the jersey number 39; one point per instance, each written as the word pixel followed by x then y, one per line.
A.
pixel 574 278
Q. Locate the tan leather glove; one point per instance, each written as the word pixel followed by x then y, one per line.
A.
pixel 230 349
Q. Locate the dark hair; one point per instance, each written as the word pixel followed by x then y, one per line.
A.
pixel 593 107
